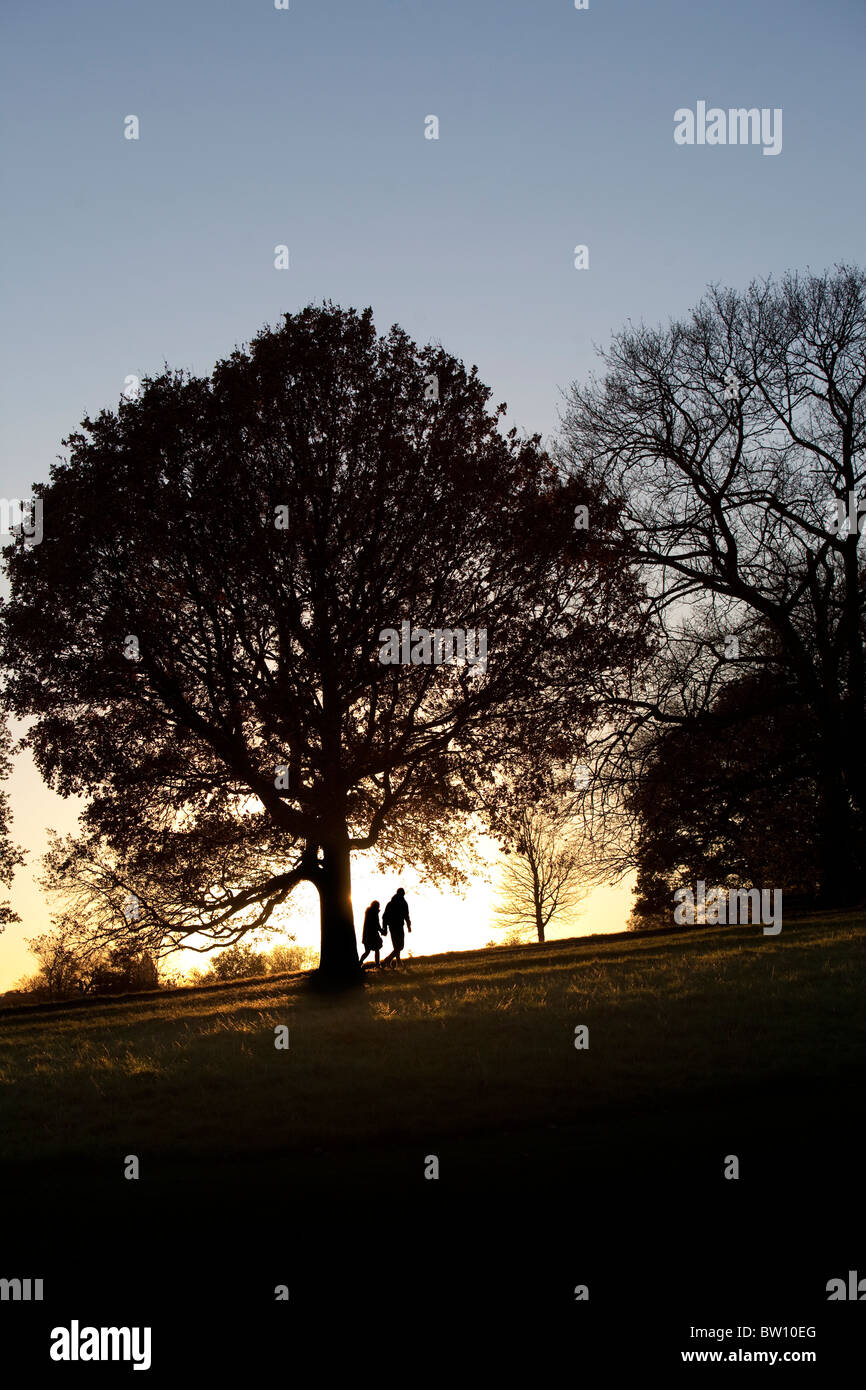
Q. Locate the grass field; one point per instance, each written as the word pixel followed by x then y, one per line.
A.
pixel 695 1037
pixel 557 1165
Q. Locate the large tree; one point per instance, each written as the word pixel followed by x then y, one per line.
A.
pixel 198 638
pixel 733 442
pixel 729 797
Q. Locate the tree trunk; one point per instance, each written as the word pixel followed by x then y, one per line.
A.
pixel 338 960
pixel 537 893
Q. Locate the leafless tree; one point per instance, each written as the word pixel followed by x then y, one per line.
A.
pixel 732 443
pixel 64 961
pixel 542 878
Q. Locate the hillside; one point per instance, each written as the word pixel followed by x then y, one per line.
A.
pixel 466 1045
pixel 557 1165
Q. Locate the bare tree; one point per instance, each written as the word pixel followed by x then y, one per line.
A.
pixel 732 443
pixel 72 957
pixel 65 962
pixel 542 877
pixel 59 968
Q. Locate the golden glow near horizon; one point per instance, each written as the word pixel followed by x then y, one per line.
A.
pixel 441 921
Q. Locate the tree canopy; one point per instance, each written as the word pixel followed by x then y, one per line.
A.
pixel 198 637
pixel 729 797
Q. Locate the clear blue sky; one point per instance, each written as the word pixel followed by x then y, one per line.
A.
pixel 306 127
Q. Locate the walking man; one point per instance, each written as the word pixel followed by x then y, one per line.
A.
pixel 395 914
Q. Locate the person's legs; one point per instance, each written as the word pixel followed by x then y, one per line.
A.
pixel 365 955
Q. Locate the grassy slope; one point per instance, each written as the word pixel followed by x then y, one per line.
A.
pixel 694 1029
pixel 558 1166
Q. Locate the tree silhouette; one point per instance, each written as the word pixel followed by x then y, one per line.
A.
pixel 238 962
pixel 733 442
pixel 198 637
pixel 541 879
pixel 728 797
pixel 72 958
pixel 61 963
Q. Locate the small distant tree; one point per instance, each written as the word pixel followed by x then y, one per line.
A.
pixel 237 962
pixel 57 972
pixel 244 959
pixel 120 971
pixel 286 958
pixel 542 876
pixel 70 959
pixel 62 964
pixel 137 970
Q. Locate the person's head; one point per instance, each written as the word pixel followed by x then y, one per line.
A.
pixel 401 893
pixel 374 903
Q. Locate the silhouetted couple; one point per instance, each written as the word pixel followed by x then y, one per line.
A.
pixel 395 915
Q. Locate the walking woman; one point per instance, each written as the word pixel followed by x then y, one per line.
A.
pixel 371 936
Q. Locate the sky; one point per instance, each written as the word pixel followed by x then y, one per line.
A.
pixel 307 128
